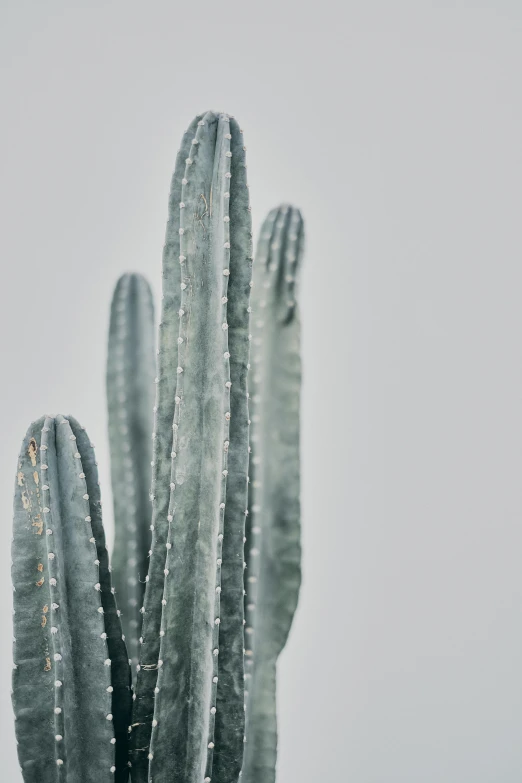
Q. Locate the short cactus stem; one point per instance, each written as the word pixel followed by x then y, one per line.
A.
pixel 68 702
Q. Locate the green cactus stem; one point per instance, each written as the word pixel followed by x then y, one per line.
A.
pixel 71 677
pixel 130 397
pixel 188 721
pixel 273 550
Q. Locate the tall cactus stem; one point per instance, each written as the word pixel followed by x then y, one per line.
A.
pixel 193 611
pixel 273 549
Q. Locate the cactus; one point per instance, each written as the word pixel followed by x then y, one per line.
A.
pixel 204 701
pixel 188 721
pixel 71 678
pixel 130 396
pixel 273 529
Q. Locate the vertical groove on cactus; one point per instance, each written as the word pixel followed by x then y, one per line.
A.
pixel 184 646
pixel 130 396
pixel 65 619
pixel 273 528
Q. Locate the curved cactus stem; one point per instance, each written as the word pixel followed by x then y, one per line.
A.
pixel 185 609
pixel 130 396
pixel 273 550
pixel 63 622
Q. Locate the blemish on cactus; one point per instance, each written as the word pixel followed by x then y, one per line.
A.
pixel 32 451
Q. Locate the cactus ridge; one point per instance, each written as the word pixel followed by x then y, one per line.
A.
pixel 186 640
pixel 230 716
pixel 273 549
pixel 130 397
pixel 71 686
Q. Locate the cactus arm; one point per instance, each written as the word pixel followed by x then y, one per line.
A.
pixel 117 652
pixel 33 678
pixel 130 390
pixel 230 716
pixel 162 447
pixel 75 698
pixel 273 535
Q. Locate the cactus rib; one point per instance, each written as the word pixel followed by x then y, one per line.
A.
pixel 230 716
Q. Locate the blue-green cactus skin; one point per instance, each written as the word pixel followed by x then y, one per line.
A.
pixel 191 665
pixel 71 677
pixel 273 550
pixel 130 395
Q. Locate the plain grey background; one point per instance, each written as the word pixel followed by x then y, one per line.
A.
pixel 396 127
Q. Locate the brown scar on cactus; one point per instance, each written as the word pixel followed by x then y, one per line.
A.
pixel 20 477
pixel 26 502
pixel 47 667
pixel 32 451
pixel 36 478
pixel 38 524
